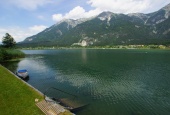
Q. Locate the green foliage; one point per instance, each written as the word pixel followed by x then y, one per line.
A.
pixel 8 54
pixel 8 41
pixel 2 54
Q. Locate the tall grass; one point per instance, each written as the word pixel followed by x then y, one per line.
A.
pixel 8 54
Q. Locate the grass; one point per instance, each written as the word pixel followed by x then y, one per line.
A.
pixel 16 98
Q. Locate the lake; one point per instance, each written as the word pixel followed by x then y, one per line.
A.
pixel 111 81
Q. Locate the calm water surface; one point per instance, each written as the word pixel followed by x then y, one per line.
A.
pixel 113 82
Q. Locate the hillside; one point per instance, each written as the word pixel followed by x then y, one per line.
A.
pixel 107 29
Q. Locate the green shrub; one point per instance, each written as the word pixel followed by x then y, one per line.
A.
pixel 8 54
pixel 3 54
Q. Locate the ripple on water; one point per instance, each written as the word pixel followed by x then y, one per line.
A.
pixel 115 82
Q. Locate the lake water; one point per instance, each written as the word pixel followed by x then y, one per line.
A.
pixel 113 82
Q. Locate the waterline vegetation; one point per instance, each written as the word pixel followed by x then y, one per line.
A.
pixel 8 54
pixel 7 49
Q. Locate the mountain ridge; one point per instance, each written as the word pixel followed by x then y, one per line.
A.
pixel 108 28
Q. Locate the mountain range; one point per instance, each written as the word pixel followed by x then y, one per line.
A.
pixel 107 28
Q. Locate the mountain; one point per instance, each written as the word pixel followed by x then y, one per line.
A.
pixel 54 32
pixel 108 29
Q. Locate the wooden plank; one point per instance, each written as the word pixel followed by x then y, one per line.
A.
pixel 50 108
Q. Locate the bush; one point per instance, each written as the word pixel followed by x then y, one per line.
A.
pixel 8 54
pixel 3 54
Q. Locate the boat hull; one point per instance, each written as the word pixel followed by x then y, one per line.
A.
pixel 22 74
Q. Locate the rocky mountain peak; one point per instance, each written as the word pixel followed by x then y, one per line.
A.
pixel 108 28
pixel 167 7
pixel 141 16
pixel 167 10
pixel 105 16
pixel 70 22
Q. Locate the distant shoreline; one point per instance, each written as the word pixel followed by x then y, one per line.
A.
pixel 163 47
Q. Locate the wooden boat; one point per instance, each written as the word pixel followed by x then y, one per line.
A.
pixel 22 73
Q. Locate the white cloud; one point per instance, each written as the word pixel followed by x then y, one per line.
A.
pixel 57 17
pixel 128 6
pixel 76 13
pixel 115 6
pixel 19 34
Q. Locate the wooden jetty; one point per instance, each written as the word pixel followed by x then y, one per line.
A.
pixel 69 104
pixel 52 108
pixel 55 106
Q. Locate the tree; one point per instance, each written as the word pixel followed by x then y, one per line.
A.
pixel 8 41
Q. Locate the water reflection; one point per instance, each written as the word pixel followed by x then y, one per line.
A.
pixel 84 55
pixel 115 81
pixel 36 67
pixel 12 66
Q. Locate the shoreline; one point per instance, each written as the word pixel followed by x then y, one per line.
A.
pixel 91 49
pixel 17 97
pixel 161 47
pixel 23 81
pixel 31 97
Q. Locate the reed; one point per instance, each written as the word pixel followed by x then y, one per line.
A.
pixel 8 54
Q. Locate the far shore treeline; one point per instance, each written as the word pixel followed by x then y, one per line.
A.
pixel 8 49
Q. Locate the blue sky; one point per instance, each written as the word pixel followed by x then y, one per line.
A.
pixel 22 18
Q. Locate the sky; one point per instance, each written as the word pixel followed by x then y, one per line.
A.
pixel 24 18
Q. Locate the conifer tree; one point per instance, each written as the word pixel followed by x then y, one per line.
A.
pixel 8 41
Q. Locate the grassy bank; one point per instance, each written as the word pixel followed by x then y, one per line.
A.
pixel 16 98
pixel 8 54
